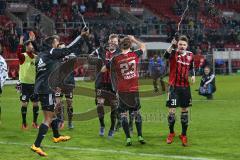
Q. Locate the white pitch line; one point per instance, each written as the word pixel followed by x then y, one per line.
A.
pixel 214 100
pixel 198 100
pixel 113 151
pixel 150 98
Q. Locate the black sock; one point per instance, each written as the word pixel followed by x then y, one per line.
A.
pixel 70 113
pixel 184 121
pixel 113 119
pixel 54 125
pixel 118 123
pixel 138 122
pixel 118 116
pixel 24 114
pixel 131 117
pixel 171 122
pixel 41 134
pixel 101 120
pixel 35 113
pixel 162 85
pixel 125 126
pixel 100 112
pixel 155 83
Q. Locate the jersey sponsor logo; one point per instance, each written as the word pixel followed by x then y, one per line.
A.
pixel 184 63
pixel 130 76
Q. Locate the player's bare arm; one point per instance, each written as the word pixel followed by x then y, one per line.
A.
pixel 21 40
pixel 140 44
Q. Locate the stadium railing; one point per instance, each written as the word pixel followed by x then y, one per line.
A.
pixel 226 61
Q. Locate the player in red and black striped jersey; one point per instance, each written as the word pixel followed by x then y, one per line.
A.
pixel 124 71
pixel 104 91
pixel 181 65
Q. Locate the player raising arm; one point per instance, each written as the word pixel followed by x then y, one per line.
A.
pixel 181 63
pixel 27 73
pixel 45 65
pixel 125 82
pixel 103 86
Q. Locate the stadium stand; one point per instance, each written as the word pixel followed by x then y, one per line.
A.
pixel 215 32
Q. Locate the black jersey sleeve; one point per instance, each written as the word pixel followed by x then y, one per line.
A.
pixel 36 46
pixel 192 68
pixel 57 53
pixel 167 55
pixel 139 52
pixel 75 43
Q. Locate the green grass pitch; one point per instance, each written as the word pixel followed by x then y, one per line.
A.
pixel 214 130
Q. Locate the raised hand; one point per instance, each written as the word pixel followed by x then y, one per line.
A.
pixel 21 40
pixel 32 36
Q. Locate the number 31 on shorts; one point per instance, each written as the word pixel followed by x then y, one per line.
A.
pixel 173 102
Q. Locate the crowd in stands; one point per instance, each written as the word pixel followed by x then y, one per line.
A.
pixel 2 7
pixel 206 26
pixel 8 36
pixel 203 36
pixel 205 33
pixel 68 11
pixel 228 2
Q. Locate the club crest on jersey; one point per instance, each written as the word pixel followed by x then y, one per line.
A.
pixel 189 58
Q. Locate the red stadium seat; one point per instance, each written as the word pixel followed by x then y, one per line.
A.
pixel 238 64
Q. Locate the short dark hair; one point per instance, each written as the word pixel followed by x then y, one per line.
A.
pixel 49 40
pixel 125 43
pixel 183 38
pixel 207 67
pixel 27 43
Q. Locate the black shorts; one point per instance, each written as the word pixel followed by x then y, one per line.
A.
pixel 156 75
pixel 128 101
pixel 27 93
pixel 106 97
pixel 47 102
pixel 68 94
pixel 179 97
pixel 105 94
